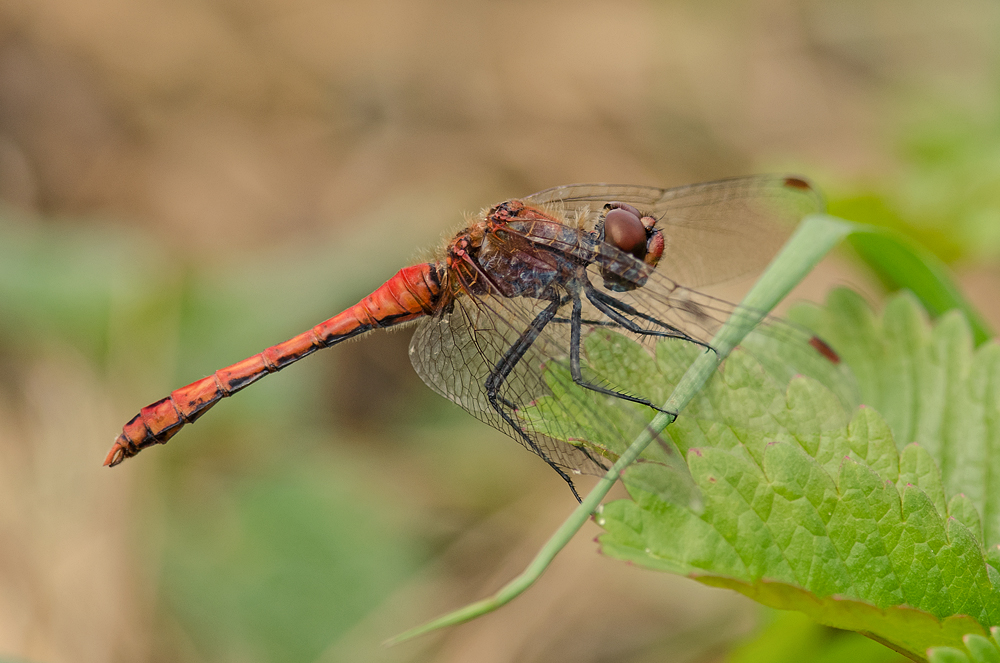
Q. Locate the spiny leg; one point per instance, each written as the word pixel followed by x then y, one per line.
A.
pixel 610 300
pixel 607 304
pixel 502 370
pixel 574 362
pixel 593 323
pixel 562 302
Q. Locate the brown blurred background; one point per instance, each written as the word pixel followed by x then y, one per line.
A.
pixel 184 183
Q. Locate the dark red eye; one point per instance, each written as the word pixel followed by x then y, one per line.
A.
pixel 624 231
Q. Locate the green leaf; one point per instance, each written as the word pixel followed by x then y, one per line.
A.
pixel 983 650
pixel 947 655
pixel 931 386
pixel 862 521
pixel 901 262
pixel 978 649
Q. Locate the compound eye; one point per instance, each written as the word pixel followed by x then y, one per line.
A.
pixel 624 231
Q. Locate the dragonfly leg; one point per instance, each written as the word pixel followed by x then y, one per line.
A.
pixel 596 323
pixel 592 323
pixel 503 369
pixel 608 305
pixel 577 373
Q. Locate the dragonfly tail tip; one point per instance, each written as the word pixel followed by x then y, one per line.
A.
pixel 116 455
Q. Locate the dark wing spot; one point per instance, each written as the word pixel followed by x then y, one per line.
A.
pixel 824 349
pixel 798 183
pixel 692 308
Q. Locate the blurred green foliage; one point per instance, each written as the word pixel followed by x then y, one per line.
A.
pixel 945 193
pixel 791 637
pixel 302 554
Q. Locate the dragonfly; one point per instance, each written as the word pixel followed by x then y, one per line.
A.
pixel 517 292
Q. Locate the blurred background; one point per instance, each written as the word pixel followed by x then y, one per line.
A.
pixel 183 183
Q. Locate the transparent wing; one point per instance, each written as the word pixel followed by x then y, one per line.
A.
pixel 714 231
pixel 456 351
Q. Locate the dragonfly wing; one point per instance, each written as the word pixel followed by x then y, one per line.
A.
pixel 663 307
pixel 714 231
pixel 594 196
pixel 456 351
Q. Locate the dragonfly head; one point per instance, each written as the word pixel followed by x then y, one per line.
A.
pixel 626 229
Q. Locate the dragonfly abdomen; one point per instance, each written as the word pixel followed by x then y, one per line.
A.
pixel 412 293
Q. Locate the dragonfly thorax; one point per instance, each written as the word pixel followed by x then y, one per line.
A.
pixel 518 251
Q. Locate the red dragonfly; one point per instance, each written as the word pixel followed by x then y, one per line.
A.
pixel 515 292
